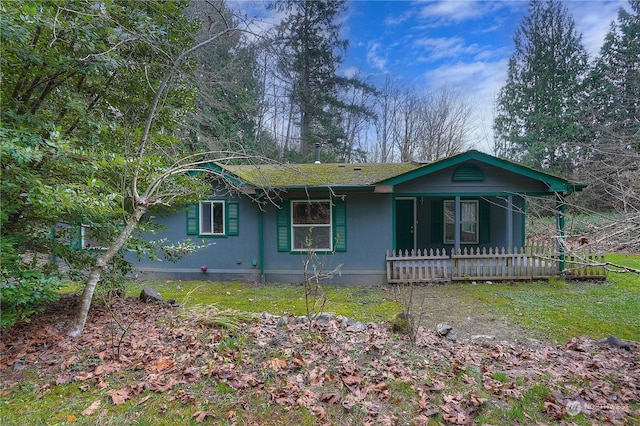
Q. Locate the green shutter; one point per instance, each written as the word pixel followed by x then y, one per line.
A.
pixel 339 225
pixel 192 219
pixel 437 221
pixel 484 219
pixel 284 227
pixel 232 216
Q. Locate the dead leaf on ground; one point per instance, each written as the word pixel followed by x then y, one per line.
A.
pixel 90 410
pixel 120 396
pixel 200 416
pixel 162 364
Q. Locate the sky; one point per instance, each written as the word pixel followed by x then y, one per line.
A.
pixel 459 44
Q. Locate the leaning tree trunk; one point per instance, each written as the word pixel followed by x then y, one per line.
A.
pixel 77 327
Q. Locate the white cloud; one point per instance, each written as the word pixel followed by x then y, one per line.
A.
pixel 481 82
pixel 455 11
pixel 593 20
pixel 351 72
pixel 392 20
pixel 375 59
pixel 445 47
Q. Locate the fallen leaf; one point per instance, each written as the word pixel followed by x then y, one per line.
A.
pixel 162 364
pixel 83 375
pixel 278 363
pixel 143 400
pixel 120 396
pixel 200 416
pixel 351 380
pixel 330 398
pixel 95 405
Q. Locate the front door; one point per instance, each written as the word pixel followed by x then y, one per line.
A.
pixel 405 223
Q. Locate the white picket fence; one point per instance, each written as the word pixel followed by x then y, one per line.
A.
pixel 497 264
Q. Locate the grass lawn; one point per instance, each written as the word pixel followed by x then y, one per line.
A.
pixel 562 310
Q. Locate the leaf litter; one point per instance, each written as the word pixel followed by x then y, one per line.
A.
pixel 319 369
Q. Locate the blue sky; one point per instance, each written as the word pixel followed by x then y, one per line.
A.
pixel 464 44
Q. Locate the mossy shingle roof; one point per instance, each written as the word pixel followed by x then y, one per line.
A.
pixel 319 175
pixel 361 176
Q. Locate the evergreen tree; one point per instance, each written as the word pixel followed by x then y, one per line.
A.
pixel 614 101
pixel 311 53
pixel 612 112
pixel 72 98
pixel 226 75
pixel 537 119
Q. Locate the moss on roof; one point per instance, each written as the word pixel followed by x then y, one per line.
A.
pixel 319 175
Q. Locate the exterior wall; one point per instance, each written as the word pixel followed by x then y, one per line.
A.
pixel 369 235
pixel 370 230
pixel 227 258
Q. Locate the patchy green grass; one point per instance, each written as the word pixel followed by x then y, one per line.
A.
pixel 562 310
pixel 554 310
pixel 361 303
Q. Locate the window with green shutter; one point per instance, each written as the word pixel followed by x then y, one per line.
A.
pixel 475 221
pixel 192 219
pixel 437 226
pixel 484 224
pixel 468 221
pixel 304 225
pixel 213 218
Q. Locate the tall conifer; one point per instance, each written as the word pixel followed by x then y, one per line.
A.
pixel 537 119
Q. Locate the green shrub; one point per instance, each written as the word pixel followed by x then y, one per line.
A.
pixel 22 297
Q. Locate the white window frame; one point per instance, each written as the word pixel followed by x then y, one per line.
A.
pixel 475 222
pixel 298 226
pixel 211 217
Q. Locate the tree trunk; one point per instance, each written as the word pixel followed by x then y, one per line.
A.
pixel 77 327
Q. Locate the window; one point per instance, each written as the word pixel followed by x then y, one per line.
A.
pixel 468 222
pixel 212 217
pixel 311 225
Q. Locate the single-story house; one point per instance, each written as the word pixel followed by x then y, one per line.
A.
pixel 350 215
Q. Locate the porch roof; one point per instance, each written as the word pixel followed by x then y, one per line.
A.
pixel 553 182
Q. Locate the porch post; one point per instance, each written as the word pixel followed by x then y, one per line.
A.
pixel 261 244
pixel 560 243
pixel 456 229
pixel 509 222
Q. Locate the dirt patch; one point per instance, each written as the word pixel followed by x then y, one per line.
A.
pixel 471 321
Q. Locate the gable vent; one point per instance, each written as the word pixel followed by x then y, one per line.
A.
pixel 468 173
